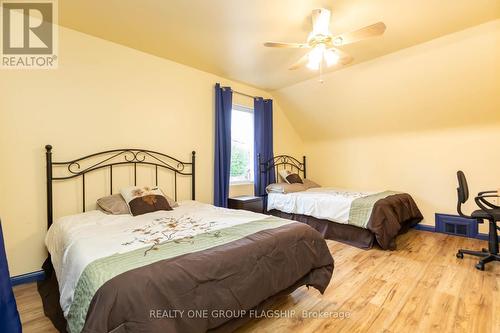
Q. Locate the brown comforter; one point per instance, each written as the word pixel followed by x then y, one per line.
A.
pixel 215 288
pixel 390 217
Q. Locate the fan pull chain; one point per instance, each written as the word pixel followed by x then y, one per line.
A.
pixel 321 71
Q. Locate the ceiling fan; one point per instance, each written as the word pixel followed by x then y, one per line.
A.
pixel 324 45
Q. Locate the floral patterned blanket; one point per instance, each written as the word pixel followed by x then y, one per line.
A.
pixel 106 264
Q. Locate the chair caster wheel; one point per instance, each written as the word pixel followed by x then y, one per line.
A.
pixel 460 255
pixel 480 266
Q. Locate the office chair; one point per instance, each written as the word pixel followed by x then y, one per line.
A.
pixel 488 212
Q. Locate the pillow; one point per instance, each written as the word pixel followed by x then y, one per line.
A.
pixel 289 177
pixel 294 178
pixel 283 174
pixel 285 188
pixel 309 183
pixel 116 205
pixel 290 188
pixel 113 204
pixel 142 200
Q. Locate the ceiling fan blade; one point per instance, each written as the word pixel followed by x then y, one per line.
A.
pixel 286 45
pixel 373 30
pixel 321 21
pixel 299 63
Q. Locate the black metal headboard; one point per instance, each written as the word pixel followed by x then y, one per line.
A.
pixel 107 159
pixel 272 165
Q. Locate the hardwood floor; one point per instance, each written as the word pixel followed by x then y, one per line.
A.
pixel 421 287
pixel 30 308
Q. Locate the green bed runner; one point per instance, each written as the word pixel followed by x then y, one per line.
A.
pixel 104 269
pixel 361 208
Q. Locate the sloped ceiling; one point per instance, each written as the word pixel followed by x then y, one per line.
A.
pixel 225 37
pixel 452 81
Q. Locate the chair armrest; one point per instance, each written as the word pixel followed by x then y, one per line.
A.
pixel 481 201
pixel 488 196
pixel 488 192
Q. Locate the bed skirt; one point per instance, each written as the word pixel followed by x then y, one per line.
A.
pixel 345 233
pixel 49 292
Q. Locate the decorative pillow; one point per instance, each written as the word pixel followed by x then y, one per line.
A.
pixel 172 203
pixel 142 200
pixel 294 178
pixel 289 177
pixel 113 204
pixel 116 205
pixel 283 174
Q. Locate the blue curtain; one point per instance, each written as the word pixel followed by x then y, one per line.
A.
pixel 9 317
pixel 263 145
pixel 223 107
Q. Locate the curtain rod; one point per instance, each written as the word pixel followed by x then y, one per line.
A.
pixel 246 95
pixel 243 94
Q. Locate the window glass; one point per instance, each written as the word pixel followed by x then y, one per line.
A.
pixel 241 145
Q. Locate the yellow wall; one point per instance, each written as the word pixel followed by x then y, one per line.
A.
pixel 421 163
pixel 408 121
pixel 102 96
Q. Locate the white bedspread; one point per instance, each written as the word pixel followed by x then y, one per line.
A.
pixel 320 202
pixel 77 240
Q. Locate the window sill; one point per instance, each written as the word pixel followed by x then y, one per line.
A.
pixel 241 183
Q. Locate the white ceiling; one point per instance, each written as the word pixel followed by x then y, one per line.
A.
pixel 225 37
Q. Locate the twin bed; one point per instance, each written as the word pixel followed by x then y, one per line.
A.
pixel 361 219
pixel 193 268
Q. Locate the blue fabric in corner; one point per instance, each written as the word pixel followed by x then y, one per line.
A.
pixel 222 164
pixel 9 317
pixel 263 142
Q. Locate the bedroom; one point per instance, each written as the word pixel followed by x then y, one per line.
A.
pixel 418 102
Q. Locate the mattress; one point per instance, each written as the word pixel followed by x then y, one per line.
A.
pixel 326 203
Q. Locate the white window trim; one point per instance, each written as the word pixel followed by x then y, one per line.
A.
pixel 241 182
pixel 248 109
pixel 242 108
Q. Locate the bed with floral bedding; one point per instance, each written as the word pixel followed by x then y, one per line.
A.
pixel 120 273
pixel 147 262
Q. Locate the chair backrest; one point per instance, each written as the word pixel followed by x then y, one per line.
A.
pixel 462 189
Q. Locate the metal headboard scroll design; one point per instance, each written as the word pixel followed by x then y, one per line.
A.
pixel 272 165
pixel 108 159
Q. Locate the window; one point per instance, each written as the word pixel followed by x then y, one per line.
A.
pixel 241 145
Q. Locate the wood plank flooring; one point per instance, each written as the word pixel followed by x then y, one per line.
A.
pixel 421 287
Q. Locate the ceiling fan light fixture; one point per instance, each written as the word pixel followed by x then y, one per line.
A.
pixel 331 57
pixel 337 41
pixel 314 66
pixel 315 57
